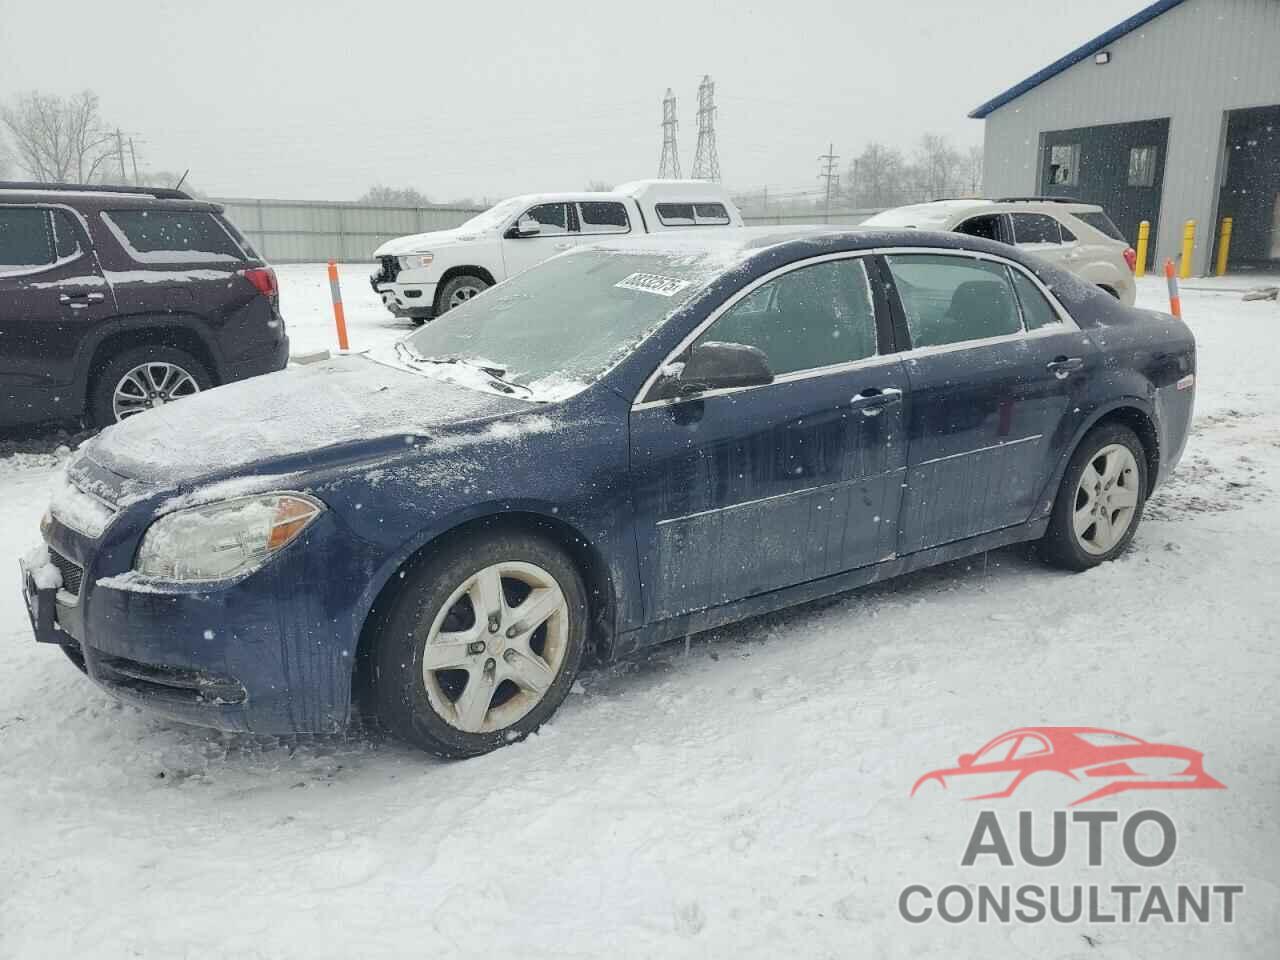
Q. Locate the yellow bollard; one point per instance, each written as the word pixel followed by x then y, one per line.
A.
pixel 1224 245
pixel 1144 236
pixel 1188 244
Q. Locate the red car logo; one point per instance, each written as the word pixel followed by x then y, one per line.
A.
pixel 1105 762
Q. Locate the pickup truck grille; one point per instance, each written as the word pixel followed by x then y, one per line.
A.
pixel 390 270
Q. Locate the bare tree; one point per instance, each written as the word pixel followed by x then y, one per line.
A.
pixel 395 196
pixel 973 169
pixel 938 164
pixel 877 177
pixel 59 140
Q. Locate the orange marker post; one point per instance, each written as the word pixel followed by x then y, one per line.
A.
pixel 339 317
pixel 1175 302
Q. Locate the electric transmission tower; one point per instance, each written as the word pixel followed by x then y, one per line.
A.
pixel 706 164
pixel 669 167
pixel 831 174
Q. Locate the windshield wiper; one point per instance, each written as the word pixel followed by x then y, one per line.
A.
pixel 497 375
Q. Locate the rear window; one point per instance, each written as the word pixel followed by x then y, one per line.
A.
pixel 1035 228
pixel 1100 221
pixel 34 237
pixel 692 214
pixel 172 236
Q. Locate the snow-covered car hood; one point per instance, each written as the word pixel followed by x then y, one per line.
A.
pixel 285 415
pixel 423 242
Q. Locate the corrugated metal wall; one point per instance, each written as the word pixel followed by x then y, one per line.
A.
pixel 1191 64
pixel 312 231
pixel 286 231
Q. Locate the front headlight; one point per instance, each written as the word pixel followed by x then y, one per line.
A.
pixel 416 260
pixel 224 539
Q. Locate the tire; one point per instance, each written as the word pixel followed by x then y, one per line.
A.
pixel 192 378
pixel 432 708
pixel 459 290
pixel 1094 522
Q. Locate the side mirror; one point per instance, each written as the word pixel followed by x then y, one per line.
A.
pixel 966 760
pixel 525 227
pixel 716 366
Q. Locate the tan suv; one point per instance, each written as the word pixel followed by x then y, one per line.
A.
pixel 1075 236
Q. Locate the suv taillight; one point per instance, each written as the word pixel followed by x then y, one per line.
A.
pixel 1131 258
pixel 264 279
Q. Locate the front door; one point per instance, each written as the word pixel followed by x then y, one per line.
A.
pixel 994 399
pixel 51 293
pixel 557 232
pixel 745 491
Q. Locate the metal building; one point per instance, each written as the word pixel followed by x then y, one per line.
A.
pixel 1171 115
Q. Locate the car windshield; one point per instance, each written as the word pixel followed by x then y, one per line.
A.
pixel 559 326
pixel 494 217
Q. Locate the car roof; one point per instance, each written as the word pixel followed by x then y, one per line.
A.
pixel 101 196
pixel 1052 732
pixel 936 213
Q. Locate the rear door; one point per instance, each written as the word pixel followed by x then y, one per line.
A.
pixel 992 403
pixel 52 293
pixel 1041 234
pixel 743 491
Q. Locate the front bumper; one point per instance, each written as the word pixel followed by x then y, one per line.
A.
pixel 416 300
pixel 271 653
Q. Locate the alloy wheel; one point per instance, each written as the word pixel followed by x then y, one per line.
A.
pixel 496 646
pixel 1106 499
pixel 150 385
pixel 462 295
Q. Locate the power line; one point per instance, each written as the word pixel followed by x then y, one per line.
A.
pixel 831 174
pixel 669 166
pixel 706 162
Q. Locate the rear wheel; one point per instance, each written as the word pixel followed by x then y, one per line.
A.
pixel 458 291
pixel 1099 503
pixel 481 645
pixel 142 378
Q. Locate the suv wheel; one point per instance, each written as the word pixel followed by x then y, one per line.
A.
pixel 459 290
pixel 142 378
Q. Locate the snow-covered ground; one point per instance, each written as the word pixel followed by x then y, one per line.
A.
pixel 745 795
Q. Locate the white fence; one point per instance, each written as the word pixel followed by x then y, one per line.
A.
pixel 310 231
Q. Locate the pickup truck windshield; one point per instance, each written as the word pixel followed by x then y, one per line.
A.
pixel 494 217
pixel 559 326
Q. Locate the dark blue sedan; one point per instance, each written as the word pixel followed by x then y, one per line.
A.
pixel 626 444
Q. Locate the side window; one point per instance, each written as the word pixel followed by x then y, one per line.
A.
pixel 1029 747
pixel 812 317
pixel 603 217
pixel 172 236
pixel 553 217
pixel 1035 228
pixel 26 239
pixel 692 214
pixel 987 227
pixel 953 299
pixel 1067 235
pixel 996 753
pixel 1036 311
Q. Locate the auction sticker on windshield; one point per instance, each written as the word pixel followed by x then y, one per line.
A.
pixel 653 283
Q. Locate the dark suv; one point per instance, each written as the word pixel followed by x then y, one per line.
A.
pixel 114 300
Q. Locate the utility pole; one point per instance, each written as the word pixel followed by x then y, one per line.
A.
pixel 120 154
pixel 669 166
pixel 706 163
pixel 134 157
pixel 831 175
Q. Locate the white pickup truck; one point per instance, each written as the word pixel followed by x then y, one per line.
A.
pixel 423 275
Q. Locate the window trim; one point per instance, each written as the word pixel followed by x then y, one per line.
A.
pixel 577 204
pixel 48 208
pixel 570 218
pixel 1043 749
pixel 897 352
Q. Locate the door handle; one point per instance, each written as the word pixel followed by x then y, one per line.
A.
pixel 1063 367
pixel 874 399
pixel 90 297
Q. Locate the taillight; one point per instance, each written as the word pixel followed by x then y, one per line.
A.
pixel 264 279
pixel 1131 258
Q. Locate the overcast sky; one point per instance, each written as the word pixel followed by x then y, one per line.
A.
pixel 318 100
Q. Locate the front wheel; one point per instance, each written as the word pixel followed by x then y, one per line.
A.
pixel 481 644
pixel 458 291
pixel 1100 501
